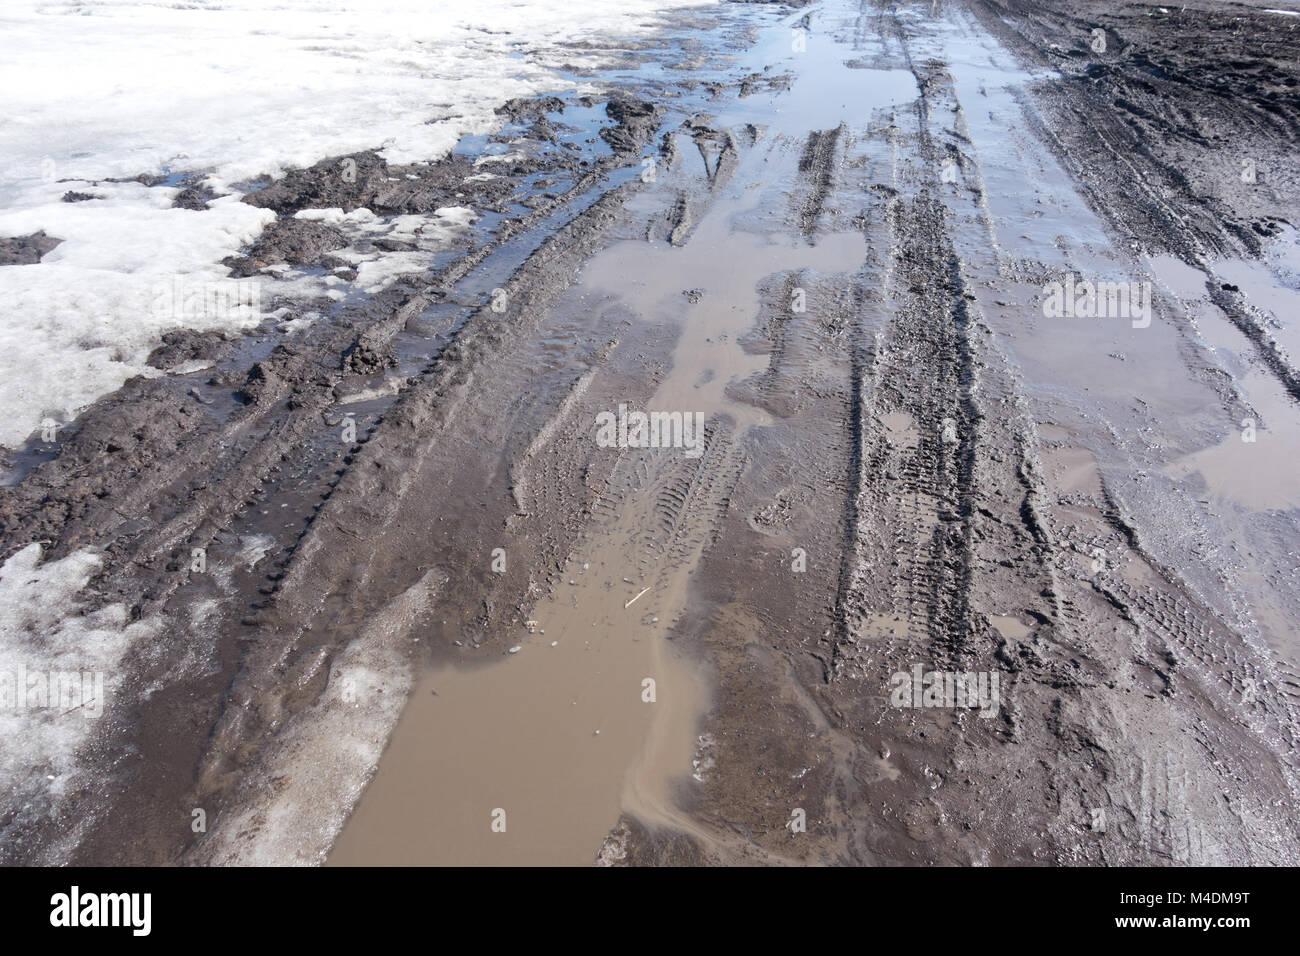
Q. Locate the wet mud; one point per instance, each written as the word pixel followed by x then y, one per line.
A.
pixel 413 608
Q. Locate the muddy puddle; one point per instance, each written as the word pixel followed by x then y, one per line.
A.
pixel 1252 466
pixel 528 761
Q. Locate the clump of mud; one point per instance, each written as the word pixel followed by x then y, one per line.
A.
pixel 299 242
pixel 184 345
pixel 365 180
pixel 26 250
pixel 195 198
pixel 636 122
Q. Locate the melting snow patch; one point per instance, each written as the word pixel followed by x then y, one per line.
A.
pixel 296 799
pixel 253 549
pixel 83 320
pixel 60 668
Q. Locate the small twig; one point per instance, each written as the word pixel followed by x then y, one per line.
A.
pixel 634 600
pixel 78 707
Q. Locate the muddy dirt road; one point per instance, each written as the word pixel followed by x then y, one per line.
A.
pixel 864 434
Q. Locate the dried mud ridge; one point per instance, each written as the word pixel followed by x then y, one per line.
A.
pixel 901 454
